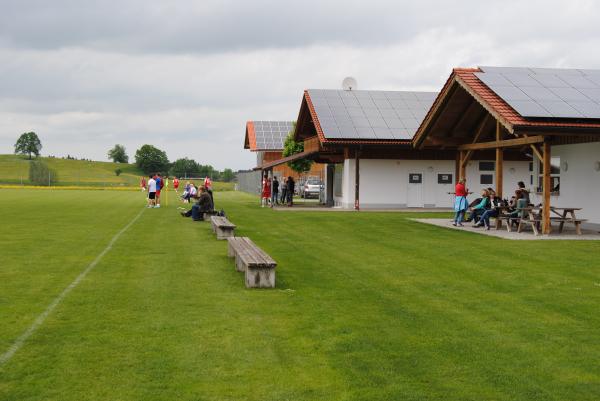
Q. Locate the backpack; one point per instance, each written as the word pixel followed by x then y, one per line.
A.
pixel 221 213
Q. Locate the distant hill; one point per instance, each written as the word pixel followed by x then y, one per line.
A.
pixel 14 169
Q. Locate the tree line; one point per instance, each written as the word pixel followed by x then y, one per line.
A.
pixel 148 158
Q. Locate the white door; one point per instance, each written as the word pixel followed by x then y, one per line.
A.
pixel 445 190
pixel 414 196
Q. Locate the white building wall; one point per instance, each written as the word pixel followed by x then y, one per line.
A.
pixel 579 179
pixel 384 184
pixel 513 172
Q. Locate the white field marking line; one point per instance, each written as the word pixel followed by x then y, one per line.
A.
pixel 4 358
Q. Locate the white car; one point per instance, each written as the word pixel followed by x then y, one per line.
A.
pixel 311 188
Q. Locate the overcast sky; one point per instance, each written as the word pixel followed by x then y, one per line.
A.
pixel 185 76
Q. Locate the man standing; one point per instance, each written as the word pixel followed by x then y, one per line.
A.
pixel 151 191
pixel 176 183
pixel 275 192
pixel 159 185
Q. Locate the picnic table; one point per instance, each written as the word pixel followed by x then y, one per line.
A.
pixel 532 215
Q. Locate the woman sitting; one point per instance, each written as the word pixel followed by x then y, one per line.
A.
pixel 493 211
pixel 481 207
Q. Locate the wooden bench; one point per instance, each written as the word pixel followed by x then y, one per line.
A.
pixel 259 268
pixel 222 227
pixel 563 220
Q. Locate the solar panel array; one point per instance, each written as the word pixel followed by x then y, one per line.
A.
pixel 270 135
pixel 370 114
pixel 546 92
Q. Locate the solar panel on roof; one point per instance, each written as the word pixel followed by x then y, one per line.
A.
pixel 546 92
pixel 270 135
pixel 371 114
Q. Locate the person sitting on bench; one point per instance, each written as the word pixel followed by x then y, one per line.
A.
pixel 481 207
pixel 495 203
pixel 203 205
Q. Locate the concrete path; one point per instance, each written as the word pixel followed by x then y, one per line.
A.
pixel 567 234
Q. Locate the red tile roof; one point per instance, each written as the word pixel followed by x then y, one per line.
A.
pixel 466 76
pixel 250 136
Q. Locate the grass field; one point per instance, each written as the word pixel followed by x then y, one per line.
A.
pixel 368 306
pixel 14 169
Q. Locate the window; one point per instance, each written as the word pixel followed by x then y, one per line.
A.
pixel 487 166
pixel 415 178
pixel 486 179
pixel 444 178
pixel 554 175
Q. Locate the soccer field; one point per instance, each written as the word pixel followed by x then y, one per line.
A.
pixel 368 306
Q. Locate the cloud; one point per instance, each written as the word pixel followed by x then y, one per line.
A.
pixel 186 76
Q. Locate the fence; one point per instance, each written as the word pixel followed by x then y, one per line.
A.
pixel 249 181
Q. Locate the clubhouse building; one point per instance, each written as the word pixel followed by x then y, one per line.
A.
pixel 494 126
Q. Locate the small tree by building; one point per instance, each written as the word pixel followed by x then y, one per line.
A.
pixel 28 143
pixel 118 154
pixel 291 147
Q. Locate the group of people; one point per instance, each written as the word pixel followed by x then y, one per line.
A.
pixel 277 193
pixel 191 190
pixel 488 205
pixel 155 184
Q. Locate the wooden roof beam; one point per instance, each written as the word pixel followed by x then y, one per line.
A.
pixel 507 143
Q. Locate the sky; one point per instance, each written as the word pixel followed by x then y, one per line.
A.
pixel 185 76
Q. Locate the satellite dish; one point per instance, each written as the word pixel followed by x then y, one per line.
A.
pixel 349 84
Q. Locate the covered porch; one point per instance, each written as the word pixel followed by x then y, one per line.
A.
pixel 468 117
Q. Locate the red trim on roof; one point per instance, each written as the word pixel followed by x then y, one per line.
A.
pixel 251 135
pixel 468 77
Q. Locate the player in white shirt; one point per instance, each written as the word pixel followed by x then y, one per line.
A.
pixel 151 192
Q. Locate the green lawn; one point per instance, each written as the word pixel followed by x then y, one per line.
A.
pixel 368 306
pixel 14 169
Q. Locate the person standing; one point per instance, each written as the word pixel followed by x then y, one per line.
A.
pixel 460 202
pixel 143 183
pixel 151 191
pixel 283 198
pixel 159 185
pixel 291 186
pixel 175 183
pixel 275 190
pixel 266 191
pixel 208 187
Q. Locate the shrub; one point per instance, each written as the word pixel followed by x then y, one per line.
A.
pixel 41 174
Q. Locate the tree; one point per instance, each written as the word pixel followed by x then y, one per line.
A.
pixel 184 168
pixel 118 154
pixel 151 159
pixel 28 143
pixel 227 175
pixel 41 174
pixel 291 147
pixel 118 172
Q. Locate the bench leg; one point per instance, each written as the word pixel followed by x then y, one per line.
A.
pixel 260 277
pixel 223 233
pixel 239 265
pixel 230 250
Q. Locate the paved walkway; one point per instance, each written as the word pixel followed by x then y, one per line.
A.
pixel 316 208
pixel 567 234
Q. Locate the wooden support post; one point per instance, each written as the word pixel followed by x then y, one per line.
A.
pixel 463 166
pixel 547 182
pixel 357 180
pixel 499 163
pixel 457 168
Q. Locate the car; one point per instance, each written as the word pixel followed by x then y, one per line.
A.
pixel 311 188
